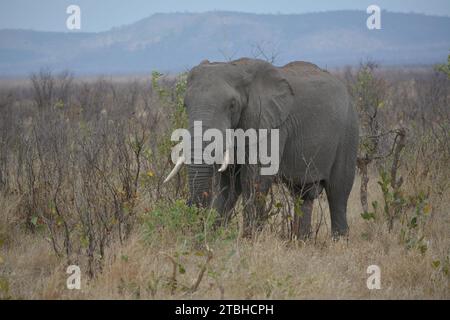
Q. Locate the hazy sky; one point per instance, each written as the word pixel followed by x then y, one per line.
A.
pixel 100 15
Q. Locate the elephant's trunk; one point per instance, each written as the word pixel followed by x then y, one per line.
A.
pixel 199 179
pixel 200 176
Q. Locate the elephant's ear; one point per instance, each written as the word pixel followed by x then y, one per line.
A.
pixel 270 99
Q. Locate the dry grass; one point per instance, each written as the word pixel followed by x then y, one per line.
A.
pixel 265 267
pixel 86 164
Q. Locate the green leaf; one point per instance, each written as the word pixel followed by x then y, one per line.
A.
pixel 368 215
pixel 436 264
pixel 413 222
pixel 423 248
pixel 375 205
pixel 34 220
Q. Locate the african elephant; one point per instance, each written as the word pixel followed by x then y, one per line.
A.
pixel 318 137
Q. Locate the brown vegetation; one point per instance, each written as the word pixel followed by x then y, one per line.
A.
pixel 81 171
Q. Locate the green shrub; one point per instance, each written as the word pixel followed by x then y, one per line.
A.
pixel 413 225
pixel 413 212
pixel 180 222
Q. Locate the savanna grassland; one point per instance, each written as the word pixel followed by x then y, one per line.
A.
pixel 82 163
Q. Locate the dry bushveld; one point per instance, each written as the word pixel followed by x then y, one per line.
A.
pixel 81 168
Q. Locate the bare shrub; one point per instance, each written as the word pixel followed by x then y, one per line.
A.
pixel 85 159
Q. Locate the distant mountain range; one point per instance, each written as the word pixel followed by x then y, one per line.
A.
pixel 177 41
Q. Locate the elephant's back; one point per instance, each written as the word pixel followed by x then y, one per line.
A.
pixel 319 119
pixel 302 68
pixel 305 74
pixel 316 88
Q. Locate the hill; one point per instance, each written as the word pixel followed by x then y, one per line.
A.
pixel 177 41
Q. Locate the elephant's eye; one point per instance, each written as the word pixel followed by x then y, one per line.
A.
pixel 233 105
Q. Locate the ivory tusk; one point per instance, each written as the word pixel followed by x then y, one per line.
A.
pixel 175 170
pixel 226 161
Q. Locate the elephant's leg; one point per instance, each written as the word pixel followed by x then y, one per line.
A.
pixel 337 201
pixel 230 202
pixel 254 190
pixel 255 214
pixel 338 190
pixel 302 219
pixel 304 194
pixel 228 190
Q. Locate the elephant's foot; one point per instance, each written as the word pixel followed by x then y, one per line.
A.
pixel 339 235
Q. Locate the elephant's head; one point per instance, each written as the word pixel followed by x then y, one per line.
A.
pixel 244 94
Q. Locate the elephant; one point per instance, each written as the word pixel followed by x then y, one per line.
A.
pixel 318 138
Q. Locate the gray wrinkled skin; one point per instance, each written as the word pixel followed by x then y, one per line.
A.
pixel 318 137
